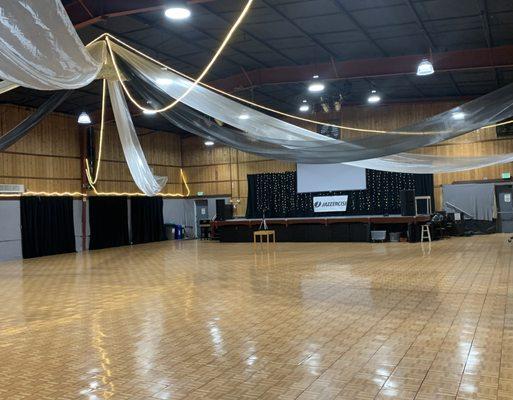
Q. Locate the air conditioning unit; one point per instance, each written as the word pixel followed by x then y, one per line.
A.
pixel 11 189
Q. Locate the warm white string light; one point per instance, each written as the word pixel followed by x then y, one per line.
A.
pixel 272 110
pixel 197 80
pixel 91 180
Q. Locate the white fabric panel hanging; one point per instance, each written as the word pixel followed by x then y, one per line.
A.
pixel 134 155
pixel 40 48
pixel 428 164
pixel 5 86
pixel 292 143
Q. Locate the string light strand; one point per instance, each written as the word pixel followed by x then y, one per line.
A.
pixel 266 108
pixel 197 80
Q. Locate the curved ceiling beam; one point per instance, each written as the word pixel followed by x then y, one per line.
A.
pixel 472 59
pixel 87 12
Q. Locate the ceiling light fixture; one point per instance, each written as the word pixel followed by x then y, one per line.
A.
pixel 178 11
pixel 84 119
pixel 244 116
pixel 316 87
pixel 304 107
pixel 425 67
pixel 149 112
pixel 374 97
pixel 209 143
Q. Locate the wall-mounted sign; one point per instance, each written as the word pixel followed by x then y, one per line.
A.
pixel 329 203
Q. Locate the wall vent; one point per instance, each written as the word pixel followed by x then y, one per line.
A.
pixel 11 189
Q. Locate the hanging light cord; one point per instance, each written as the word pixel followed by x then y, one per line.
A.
pixel 198 79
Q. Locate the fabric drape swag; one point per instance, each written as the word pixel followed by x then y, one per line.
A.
pixel 147 219
pixel 276 194
pixel 46 226
pixel 108 222
pixel 24 127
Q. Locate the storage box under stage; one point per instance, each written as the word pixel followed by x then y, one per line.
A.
pixel 329 229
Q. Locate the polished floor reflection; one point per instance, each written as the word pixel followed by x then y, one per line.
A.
pixel 203 320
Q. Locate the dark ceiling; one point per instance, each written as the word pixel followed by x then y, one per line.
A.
pixel 310 33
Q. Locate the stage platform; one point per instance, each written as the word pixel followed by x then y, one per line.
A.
pixel 322 229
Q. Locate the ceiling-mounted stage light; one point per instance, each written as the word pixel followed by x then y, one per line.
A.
pixel 315 76
pixel 425 67
pixel 338 103
pixel 244 116
pixel 325 106
pixel 209 143
pixel 178 10
pixel 374 97
pixel 84 119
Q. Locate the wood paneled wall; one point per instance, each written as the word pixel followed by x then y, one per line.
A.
pixel 48 159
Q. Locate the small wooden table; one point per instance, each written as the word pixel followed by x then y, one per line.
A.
pixel 262 234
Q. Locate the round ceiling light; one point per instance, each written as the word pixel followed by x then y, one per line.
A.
pixel 209 143
pixel 84 119
pixel 316 87
pixel 304 107
pixel 425 68
pixel 244 116
pixel 177 13
pixel 374 97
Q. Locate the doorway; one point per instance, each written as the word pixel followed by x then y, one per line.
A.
pixel 201 211
pixel 504 196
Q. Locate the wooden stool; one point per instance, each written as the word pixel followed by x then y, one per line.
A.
pixel 262 234
pixel 425 230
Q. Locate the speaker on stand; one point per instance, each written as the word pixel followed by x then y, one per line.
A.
pixel 220 210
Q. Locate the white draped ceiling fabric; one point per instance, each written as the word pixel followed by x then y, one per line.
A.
pixel 139 168
pixel 40 49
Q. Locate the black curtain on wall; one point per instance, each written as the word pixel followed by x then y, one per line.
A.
pixel 147 219
pixel 46 226
pixel 276 194
pixel 108 222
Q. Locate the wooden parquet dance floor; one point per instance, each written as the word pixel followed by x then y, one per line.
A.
pixel 204 320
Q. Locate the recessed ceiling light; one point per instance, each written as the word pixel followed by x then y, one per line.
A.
pixel 209 143
pixel 316 76
pixel 244 116
pixel 316 87
pixel 425 68
pixel 374 97
pixel 84 119
pixel 178 12
pixel 304 108
pixel 149 112
pixel 304 101
pixel 458 115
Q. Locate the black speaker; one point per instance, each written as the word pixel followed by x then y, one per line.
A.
pixel 407 202
pixel 220 205
pixel 228 211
